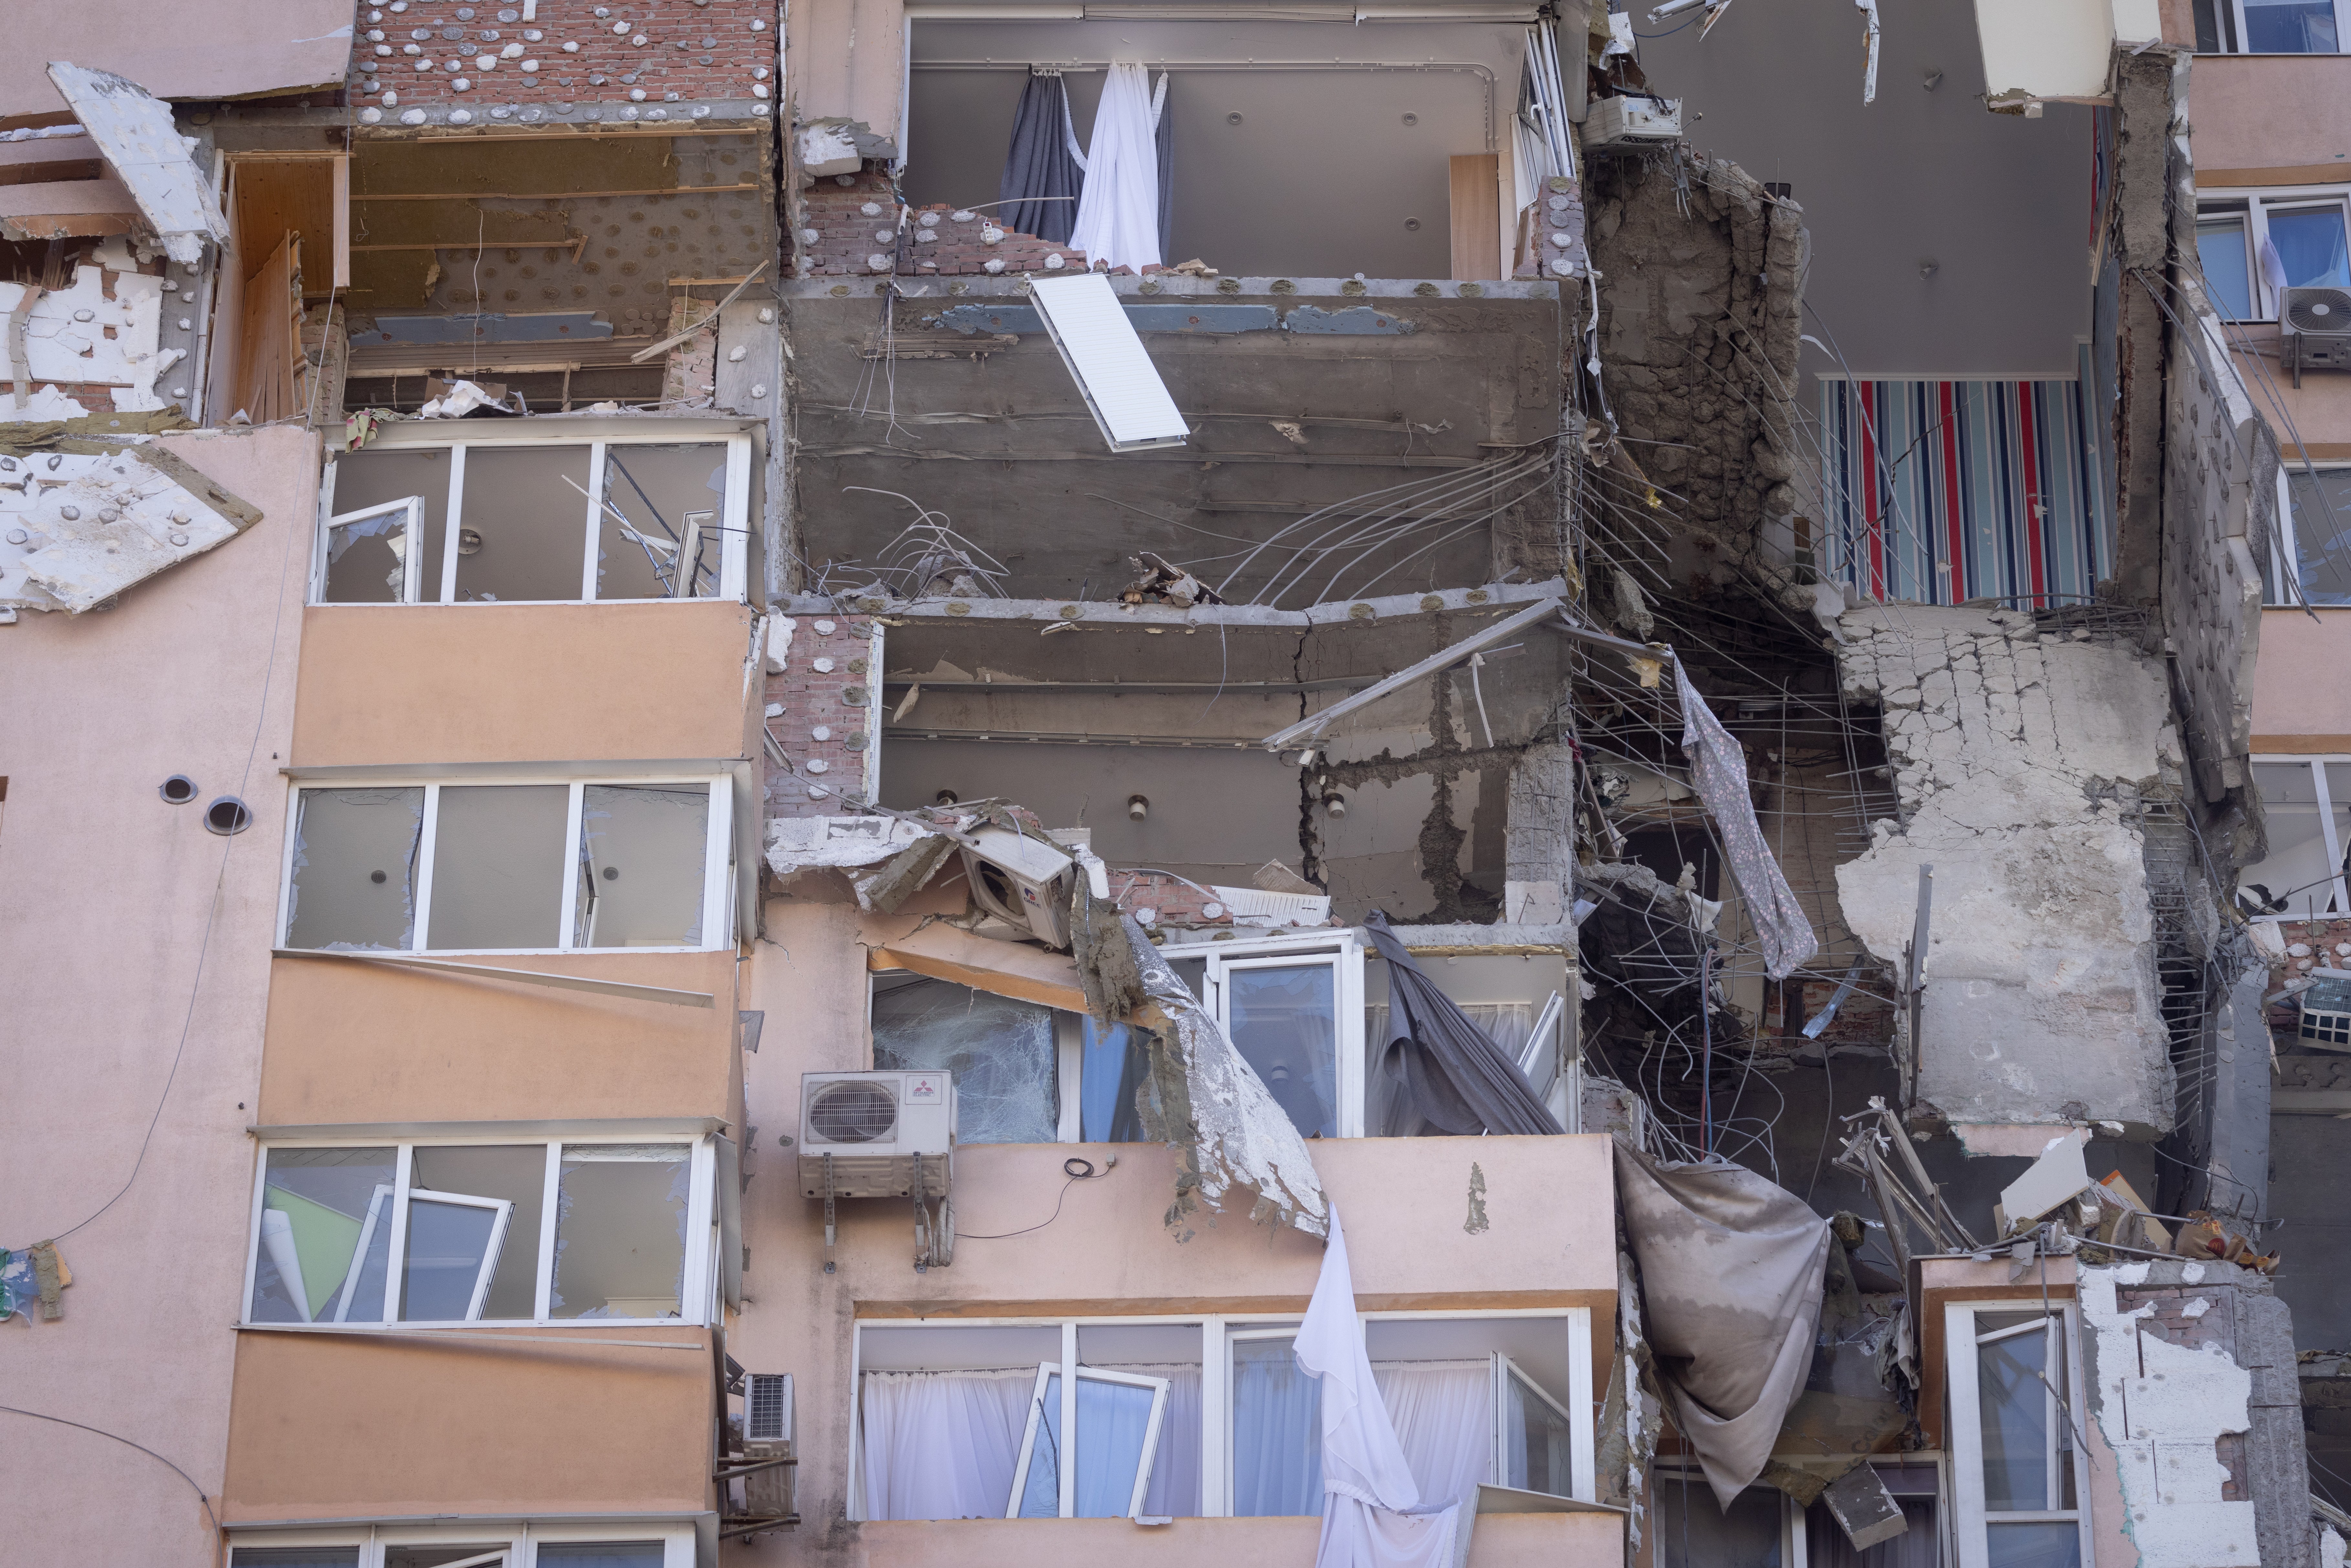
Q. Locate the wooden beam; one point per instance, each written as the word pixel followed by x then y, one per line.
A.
pixel 543 195
pixel 1475 185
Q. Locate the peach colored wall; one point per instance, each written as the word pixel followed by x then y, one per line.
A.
pixel 1500 1541
pixel 2301 701
pixel 106 958
pixel 2317 413
pixel 333 1426
pixel 2269 112
pixel 352 1042
pixel 521 683
pixel 1550 1239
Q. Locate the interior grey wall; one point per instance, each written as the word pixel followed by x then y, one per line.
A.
pixel 2309 1186
pixel 2002 203
pixel 1317 180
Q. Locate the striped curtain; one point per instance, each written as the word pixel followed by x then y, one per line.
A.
pixel 1939 492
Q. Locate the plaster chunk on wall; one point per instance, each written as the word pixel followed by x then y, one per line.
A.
pixel 2162 1423
pixel 80 335
pixel 44 404
pixel 77 529
pixel 2017 762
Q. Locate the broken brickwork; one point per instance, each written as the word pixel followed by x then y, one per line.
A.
pixel 845 222
pixel 819 711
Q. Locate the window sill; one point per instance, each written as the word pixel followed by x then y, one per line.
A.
pixel 509 603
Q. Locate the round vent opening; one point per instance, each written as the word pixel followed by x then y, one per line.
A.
pixel 2320 311
pixel 853 1112
pixel 997 887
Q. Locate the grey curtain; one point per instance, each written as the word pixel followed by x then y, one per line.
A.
pixel 1167 143
pixel 1444 1071
pixel 1039 167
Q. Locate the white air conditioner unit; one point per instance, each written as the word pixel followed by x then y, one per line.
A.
pixel 1633 121
pixel 876 1134
pixel 2316 326
pixel 1024 880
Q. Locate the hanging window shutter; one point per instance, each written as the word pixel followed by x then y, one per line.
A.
pixel 1115 375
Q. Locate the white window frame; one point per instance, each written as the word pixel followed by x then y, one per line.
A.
pixel 1067 1415
pixel 1217 1333
pixel 696 1288
pixel 2231 14
pixel 2221 203
pixel 440 586
pixel 519 1540
pixel 2285 551
pixel 1343 950
pixel 2329 835
pixel 1795 1546
pixel 719 870
pixel 412 532
pixel 1965 1413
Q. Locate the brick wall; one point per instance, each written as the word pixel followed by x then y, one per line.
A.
pixel 2198 1318
pixel 938 243
pixel 2310 944
pixel 643 51
pixel 804 699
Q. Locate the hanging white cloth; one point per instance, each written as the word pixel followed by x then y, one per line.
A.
pixel 1444 1418
pixel 1118 211
pixel 1370 1498
pixel 942 1445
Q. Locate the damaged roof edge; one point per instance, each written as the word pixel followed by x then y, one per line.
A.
pixel 1109 612
pixel 1177 285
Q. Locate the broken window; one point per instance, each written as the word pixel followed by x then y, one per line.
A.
pixel 536 521
pixel 453 867
pixel 353 885
pixel 2307 811
pixel 2013 1452
pixel 1002 1051
pixel 1518 1000
pixel 2252 245
pixel 1116 1422
pixel 621 1230
pixel 449 1233
pixel 1117 1064
pixel 1293 1008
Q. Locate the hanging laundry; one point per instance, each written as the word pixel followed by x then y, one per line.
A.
pixel 1118 212
pixel 1719 770
pixel 1043 172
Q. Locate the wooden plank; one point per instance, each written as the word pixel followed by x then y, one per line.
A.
pixel 1475 184
pixel 278 194
pixel 544 196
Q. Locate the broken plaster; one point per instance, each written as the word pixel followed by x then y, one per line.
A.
pixel 67 338
pixel 76 529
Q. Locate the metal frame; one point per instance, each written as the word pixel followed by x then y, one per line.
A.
pixel 696 1282
pixel 729 576
pixel 718 923
pixel 502 1211
pixel 1582 1475
pixel 1066 1403
pixel 1960 1339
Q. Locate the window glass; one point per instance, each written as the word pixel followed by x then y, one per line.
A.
pixel 2222 252
pixel 326 1214
pixel 642 853
pixel 1284 1021
pixel 661 505
pixel 1277 1431
pixel 355 869
pixel 599 1555
pixel 1116 1066
pixel 2310 245
pixel 455 1235
pixel 1538 1441
pixel 1040 1488
pixel 370 478
pixel 2051 1544
pixel 2215 26
pixel 619 1231
pixel 2289 27
pixel 497 865
pixel 2322 534
pixel 367 561
pixel 1001 1051
pixel 1694 1532
pixel 434 1556
pixel 1168 1351
pixel 2016 1438
pixel 522 524
pixel 1113 1420
pixel 294 1557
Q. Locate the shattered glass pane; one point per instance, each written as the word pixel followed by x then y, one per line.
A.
pixel 1000 1051
pixel 367 561
pixel 497 865
pixel 523 522
pixel 326 1229
pixel 671 502
pixel 354 884
pixel 620 1230
pixel 378 477
pixel 642 853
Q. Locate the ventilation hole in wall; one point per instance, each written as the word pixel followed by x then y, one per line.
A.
pixel 177 791
pixel 228 815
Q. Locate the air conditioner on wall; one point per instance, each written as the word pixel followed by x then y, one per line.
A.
pixel 1023 880
pixel 875 1134
pixel 1633 121
pixel 2314 327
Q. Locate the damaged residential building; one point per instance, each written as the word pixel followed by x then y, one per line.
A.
pixel 907 782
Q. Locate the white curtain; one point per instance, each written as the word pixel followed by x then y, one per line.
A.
pixel 942 1445
pixel 1174 1489
pixel 1444 1416
pixel 1118 210
pixel 1277 1431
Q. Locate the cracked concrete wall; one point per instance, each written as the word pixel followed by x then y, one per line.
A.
pixel 2020 758
pixel 1698 331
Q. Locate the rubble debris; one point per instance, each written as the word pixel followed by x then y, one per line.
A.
pixel 1122 388
pixel 1719 770
pixel 1864 1509
pixel 1158 582
pixel 464 400
pixel 1904 1201
pixel 148 153
pixel 2057 1178
pixel 78 528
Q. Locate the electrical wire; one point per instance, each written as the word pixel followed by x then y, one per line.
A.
pixel 127 1443
pixel 1089 1174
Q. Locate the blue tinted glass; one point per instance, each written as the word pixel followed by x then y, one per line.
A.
pixel 1114 1418
pixel 2041 1545
pixel 2221 248
pixel 599 1555
pixel 1277 1431
pixel 2290 27
pixel 1040 1498
pixel 2309 242
pixel 446 1245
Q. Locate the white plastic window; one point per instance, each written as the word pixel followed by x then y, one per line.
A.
pixel 2270 26
pixel 2016 1468
pixel 2249 246
pixel 552 1543
pixel 510 867
pixel 462 1233
pixel 528 519
pixel 1294 1008
pixel 1088 1455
